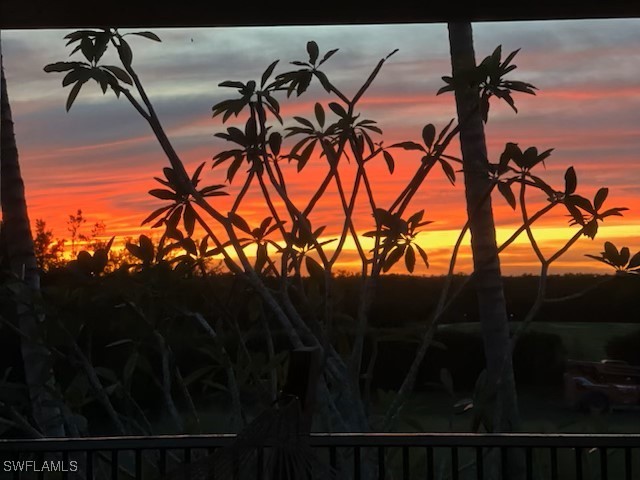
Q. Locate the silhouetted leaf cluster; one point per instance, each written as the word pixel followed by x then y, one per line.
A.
pixel 582 211
pixel 432 148
pixel 489 78
pixel 397 238
pixel 92 264
pixel 621 260
pixel 93 44
pixel 181 206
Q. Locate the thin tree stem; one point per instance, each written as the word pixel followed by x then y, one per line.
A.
pixel 525 221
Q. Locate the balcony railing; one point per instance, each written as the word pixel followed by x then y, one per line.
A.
pixel 351 456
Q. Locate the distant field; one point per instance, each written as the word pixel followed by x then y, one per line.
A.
pixel 583 340
pixel 543 409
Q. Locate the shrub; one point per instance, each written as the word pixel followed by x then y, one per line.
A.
pixel 463 356
pixel 625 347
pixel 539 358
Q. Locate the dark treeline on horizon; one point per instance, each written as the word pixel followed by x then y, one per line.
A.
pixel 409 299
pixel 404 298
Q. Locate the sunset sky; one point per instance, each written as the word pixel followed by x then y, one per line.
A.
pixel 102 157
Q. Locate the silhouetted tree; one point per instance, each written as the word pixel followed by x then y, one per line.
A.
pixel 488 279
pixel 74 224
pixel 285 243
pixel 20 251
pixel 48 251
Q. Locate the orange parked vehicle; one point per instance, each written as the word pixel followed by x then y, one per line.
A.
pixel 600 386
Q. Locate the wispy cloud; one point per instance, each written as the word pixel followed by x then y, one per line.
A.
pixel 102 156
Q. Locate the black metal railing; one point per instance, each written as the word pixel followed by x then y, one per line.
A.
pixel 351 455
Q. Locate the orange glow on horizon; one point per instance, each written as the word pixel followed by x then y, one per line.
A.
pixel 101 157
pixel 122 203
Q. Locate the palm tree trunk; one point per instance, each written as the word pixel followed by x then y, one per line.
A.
pixel 488 279
pixel 22 260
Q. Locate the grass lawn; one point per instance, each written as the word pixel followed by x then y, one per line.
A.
pixel 542 408
pixel 583 340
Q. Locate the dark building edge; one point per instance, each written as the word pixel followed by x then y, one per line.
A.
pixel 23 14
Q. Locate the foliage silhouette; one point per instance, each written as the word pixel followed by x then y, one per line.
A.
pixel 624 348
pixel 18 247
pixel 48 253
pixel 285 265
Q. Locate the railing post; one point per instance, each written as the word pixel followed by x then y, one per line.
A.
pixel 479 464
pixel 604 472
pixel 627 464
pixel 138 456
pixel 454 463
pixel 504 463
pixel 163 462
pixel 406 465
pixel 381 465
pixel 89 470
pixel 554 463
pixel 114 465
